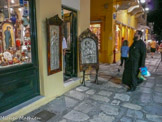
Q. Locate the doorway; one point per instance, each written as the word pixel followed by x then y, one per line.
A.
pixel 70 34
pixel 96 29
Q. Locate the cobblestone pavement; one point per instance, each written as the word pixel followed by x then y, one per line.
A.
pixel 109 101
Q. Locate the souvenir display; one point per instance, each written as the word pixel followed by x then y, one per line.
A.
pixel 15 41
pixel 1 16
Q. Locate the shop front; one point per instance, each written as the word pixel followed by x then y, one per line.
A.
pixel 19 70
pixel 26 84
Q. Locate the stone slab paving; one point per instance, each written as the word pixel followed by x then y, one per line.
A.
pixel 100 98
pixel 90 92
pixel 157 98
pixel 108 101
pixel 126 119
pixel 102 118
pixel 110 110
pixel 135 114
pixel 122 97
pixel 131 106
pixel 84 107
pixel 115 102
pixel 154 118
pixel 82 89
pixel 105 93
pixel 76 116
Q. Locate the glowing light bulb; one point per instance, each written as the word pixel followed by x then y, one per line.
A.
pixel 143 1
pixel 19 9
pixel 12 1
pixel 147 9
pixel 11 9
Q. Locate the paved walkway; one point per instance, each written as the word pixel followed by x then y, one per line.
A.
pixel 109 101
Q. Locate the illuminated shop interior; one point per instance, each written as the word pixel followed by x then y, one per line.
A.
pixel 15 42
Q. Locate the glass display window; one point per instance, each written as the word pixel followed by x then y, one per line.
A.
pixel 15 41
pixel 96 29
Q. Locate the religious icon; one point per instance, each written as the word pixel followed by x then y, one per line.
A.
pixel 54 44
pixel 8 35
pixel 8 39
pixel 89 51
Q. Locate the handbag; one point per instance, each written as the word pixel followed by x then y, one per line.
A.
pixel 141 77
pixel 144 71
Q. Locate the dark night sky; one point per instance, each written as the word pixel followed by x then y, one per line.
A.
pixel 155 15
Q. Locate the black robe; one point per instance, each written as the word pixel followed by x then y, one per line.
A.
pixel 136 60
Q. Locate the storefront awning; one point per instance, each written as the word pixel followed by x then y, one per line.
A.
pixel 140 27
pixel 139 14
pixel 126 4
pixel 137 10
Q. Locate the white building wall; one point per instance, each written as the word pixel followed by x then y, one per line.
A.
pixel 74 4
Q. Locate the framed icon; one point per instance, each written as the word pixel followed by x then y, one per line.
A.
pixel 88 48
pixel 54 44
pixel 8 35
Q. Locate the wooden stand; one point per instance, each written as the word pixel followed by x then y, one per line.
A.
pixel 84 71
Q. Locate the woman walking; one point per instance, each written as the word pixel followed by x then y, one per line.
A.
pixel 124 52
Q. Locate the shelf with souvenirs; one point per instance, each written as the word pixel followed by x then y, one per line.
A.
pixel 15 42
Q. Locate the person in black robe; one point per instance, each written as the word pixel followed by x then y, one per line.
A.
pixel 136 60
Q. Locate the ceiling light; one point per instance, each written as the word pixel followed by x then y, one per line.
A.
pixel 11 9
pixel 143 1
pixel 132 8
pixel 19 9
pixel 147 9
pixel 12 1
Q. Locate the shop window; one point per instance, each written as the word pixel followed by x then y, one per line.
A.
pixel 96 29
pixel 15 41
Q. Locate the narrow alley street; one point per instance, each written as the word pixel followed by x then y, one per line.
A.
pixel 53 51
pixel 109 101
